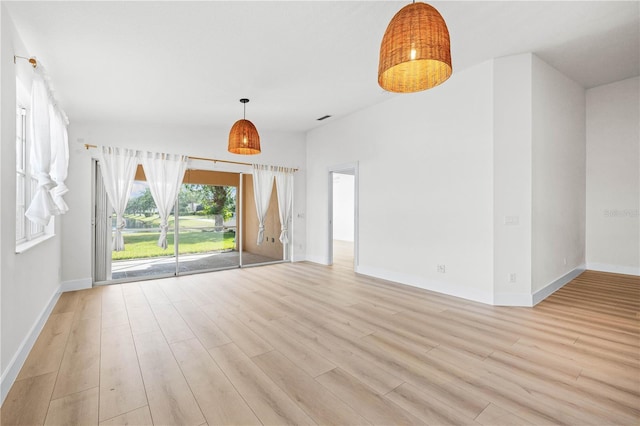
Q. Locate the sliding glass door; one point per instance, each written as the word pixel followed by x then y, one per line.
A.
pixel 207 228
pixel 212 226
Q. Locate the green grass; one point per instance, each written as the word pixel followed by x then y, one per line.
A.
pixel 144 244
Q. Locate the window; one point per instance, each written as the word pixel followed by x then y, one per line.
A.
pixel 27 233
pixel 21 174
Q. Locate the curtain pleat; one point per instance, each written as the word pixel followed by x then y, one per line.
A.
pixel 42 206
pixel 59 158
pixel 118 166
pixel 284 186
pixel 262 188
pixel 164 173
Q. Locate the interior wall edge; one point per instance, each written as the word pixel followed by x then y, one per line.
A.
pixel 10 374
pixel 557 284
pixel 614 269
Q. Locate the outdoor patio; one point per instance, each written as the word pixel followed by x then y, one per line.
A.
pixel 154 266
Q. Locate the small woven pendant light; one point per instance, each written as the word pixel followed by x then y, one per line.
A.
pixel 415 53
pixel 243 137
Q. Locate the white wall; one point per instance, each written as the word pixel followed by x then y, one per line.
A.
pixel 558 179
pixel 277 149
pixel 343 207
pixel 512 123
pixel 29 282
pixel 427 156
pixel 613 180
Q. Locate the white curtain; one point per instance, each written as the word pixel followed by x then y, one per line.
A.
pixel 59 157
pixel 42 206
pixel 284 185
pixel 262 188
pixel 164 174
pixel 118 167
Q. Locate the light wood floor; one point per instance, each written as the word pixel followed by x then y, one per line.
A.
pixel 305 344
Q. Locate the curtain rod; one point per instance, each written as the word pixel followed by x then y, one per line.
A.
pixel 32 61
pixel 214 160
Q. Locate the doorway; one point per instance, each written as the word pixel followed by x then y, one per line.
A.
pixel 343 216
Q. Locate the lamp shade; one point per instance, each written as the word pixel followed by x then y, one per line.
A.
pixel 244 138
pixel 415 53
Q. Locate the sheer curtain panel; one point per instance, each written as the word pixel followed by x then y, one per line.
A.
pixel 118 167
pixel 262 188
pixel 59 157
pixel 42 206
pixel 284 185
pixel 164 174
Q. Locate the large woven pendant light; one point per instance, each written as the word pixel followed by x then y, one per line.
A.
pixel 243 137
pixel 415 53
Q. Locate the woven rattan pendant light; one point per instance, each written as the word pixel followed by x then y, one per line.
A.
pixel 243 137
pixel 415 53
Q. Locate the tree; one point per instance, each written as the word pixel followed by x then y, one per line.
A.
pixel 147 205
pixel 216 201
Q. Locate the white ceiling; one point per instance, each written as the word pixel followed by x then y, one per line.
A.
pixel 189 63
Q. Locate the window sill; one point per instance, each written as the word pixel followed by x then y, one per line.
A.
pixel 23 247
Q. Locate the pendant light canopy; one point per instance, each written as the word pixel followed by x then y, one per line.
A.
pixel 415 53
pixel 243 137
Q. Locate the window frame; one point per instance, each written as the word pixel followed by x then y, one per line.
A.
pixel 28 234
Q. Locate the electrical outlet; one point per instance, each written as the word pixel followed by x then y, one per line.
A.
pixel 442 269
pixel 565 260
pixel 512 277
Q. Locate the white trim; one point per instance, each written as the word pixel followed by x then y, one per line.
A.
pixel 317 259
pixel 26 245
pixel 614 269
pixel 512 299
pixel 73 285
pixel 10 374
pixel 437 286
pixel 553 286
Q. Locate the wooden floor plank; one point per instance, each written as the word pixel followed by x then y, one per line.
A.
pixel 375 408
pixel 323 407
pixel 138 417
pixel 270 403
pixel 170 399
pixel 202 326
pixel 121 386
pixel 430 410
pixel 48 350
pixel 219 401
pixel 287 344
pixel 80 367
pixel 76 409
pixel 28 400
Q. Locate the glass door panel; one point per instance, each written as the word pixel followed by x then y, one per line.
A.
pixel 142 257
pixel 207 228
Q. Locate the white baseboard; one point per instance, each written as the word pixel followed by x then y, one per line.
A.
pixel 72 285
pixel 550 288
pixel 322 260
pixel 437 286
pixel 10 374
pixel 616 269
pixel 512 299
